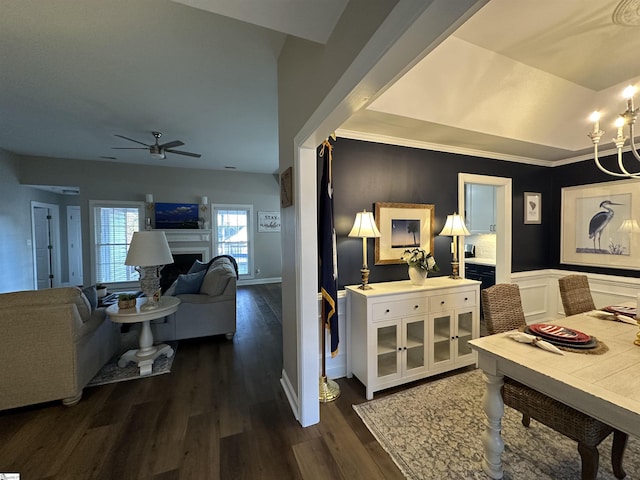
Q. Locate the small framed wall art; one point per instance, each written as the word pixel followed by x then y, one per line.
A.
pixel 532 207
pixel 402 226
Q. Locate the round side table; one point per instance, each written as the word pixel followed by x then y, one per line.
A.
pixel 148 352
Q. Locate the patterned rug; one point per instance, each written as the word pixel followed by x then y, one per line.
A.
pixel 433 432
pixel 112 373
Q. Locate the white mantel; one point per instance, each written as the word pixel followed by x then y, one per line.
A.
pixel 190 241
pixel 180 235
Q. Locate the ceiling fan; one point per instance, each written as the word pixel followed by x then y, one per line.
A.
pixel 157 150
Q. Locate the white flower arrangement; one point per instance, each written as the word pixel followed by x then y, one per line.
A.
pixel 419 258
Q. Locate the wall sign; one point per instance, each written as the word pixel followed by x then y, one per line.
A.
pixel 268 221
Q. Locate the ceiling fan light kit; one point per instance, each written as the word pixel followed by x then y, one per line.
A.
pixel 157 150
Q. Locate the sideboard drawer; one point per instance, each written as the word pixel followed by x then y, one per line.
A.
pixel 448 301
pixel 386 310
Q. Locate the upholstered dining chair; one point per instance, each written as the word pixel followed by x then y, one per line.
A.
pixel 502 306
pixel 575 294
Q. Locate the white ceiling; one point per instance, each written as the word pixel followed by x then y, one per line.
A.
pixel 516 82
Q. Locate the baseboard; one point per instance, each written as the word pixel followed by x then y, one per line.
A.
pixel 259 281
pixel 291 394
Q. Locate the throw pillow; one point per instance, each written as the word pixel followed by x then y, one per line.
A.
pixel 92 295
pixel 198 266
pixel 189 283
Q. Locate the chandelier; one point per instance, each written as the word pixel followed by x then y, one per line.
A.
pixel 628 117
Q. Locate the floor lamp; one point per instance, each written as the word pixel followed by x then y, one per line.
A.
pixel 455 227
pixel 149 250
pixel 365 227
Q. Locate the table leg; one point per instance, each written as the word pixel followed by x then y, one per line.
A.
pixel 147 353
pixel 146 339
pixel 492 442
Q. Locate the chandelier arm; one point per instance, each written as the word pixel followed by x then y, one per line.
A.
pixel 622 169
pixel 633 143
pixel 599 165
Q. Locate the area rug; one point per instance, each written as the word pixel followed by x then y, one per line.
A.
pixel 433 432
pixel 112 373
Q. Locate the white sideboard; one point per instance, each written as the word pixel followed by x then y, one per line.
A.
pixel 398 332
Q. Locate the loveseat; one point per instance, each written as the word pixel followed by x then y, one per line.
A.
pixel 207 296
pixel 52 343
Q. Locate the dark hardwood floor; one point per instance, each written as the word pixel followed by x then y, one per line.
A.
pixel 220 414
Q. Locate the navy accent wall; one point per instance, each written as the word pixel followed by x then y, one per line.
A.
pixel 365 173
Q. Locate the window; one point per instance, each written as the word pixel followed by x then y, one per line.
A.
pixel 233 235
pixel 113 227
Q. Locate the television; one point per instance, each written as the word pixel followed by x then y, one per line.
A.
pixel 176 215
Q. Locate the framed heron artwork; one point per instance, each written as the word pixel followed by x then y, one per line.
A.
pixel 601 225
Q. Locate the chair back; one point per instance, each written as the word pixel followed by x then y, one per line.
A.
pixel 502 307
pixel 575 294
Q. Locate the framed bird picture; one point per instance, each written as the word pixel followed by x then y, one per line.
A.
pixel 532 207
pixel 601 225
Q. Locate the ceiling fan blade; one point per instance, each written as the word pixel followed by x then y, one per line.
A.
pixel 132 140
pixel 189 154
pixel 129 148
pixel 175 143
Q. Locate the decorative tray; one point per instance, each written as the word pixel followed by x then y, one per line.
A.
pixel 559 333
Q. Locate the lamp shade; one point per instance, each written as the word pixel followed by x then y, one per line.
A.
pixel 454 226
pixel 149 248
pixel 629 226
pixel 364 226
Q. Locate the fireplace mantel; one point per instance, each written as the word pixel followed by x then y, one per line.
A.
pixel 187 235
pixel 189 241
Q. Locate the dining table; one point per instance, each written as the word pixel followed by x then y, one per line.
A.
pixel 605 385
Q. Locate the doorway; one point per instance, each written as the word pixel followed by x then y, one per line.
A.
pixel 45 232
pixel 503 220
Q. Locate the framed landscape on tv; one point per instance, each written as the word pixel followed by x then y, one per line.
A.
pixel 176 215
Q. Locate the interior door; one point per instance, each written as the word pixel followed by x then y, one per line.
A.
pixel 42 247
pixel 74 247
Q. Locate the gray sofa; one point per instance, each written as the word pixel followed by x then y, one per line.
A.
pixel 52 344
pixel 208 303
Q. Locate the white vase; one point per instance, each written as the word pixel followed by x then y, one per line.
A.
pixel 417 275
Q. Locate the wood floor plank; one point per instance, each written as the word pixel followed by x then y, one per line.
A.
pixel 201 449
pixel 315 460
pixel 350 454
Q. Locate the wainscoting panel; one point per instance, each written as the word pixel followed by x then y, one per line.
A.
pixel 605 289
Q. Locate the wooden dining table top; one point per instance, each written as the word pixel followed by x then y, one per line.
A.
pixel 605 386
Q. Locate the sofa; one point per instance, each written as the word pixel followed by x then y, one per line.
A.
pixel 53 343
pixel 207 294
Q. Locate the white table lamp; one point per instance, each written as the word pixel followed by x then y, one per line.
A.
pixel 149 250
pixel 455 227
pixel 365 227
